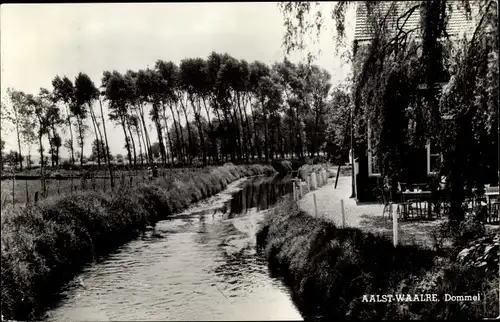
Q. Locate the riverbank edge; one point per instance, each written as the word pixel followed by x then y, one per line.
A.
pixel 329 270
pixel 47 244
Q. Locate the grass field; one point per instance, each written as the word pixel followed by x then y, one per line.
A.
pixel 24 190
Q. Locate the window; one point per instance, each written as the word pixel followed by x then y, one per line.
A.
pixel 434 157
pixel 373 162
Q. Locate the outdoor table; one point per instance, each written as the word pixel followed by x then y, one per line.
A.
pixel 491 195
pixel 425 195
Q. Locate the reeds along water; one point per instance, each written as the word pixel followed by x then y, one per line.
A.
pixel 46 244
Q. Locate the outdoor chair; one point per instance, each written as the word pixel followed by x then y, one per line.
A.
pixel 493 204
pixel 494 212
pixel 418 208
pixel 477 204
pixel 443 202
pixel 386 201
pixel 403 209
pixel 421 206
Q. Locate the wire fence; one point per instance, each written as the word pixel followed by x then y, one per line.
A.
pixel 28 189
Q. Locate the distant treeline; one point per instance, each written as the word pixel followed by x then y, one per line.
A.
pixel 203 111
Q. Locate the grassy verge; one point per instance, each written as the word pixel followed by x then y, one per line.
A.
pixel 45 245
pixel 329 269
pixel 23 190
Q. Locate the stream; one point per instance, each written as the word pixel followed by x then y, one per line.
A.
pixel 201 264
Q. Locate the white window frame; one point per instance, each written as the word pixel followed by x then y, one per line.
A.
pixel 370 155
pixel 429 155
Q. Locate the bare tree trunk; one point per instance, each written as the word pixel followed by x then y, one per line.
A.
pixel 164 117
pixel 249 134
pixel 281 139
pixel 200 130
pixel 223 148
pixel 42 168
pixel 180 128
pixel 127 142
pixel 300 148
pixel 71 134
pixel 142 134
pixel 18 139
pixel 266 138
pixel 80 130
pixel 97 132
pixel 51 148
pixel 225 134
pixel 256 138
pixel 105 156
pixel 156 120
pixel 107 146
pixel 213 140
pixel 148 141
pixel 131 139
pixel 245 137
pixel 140 145
pixel 96 135
pixel 167 133
pixel 54 134
pixel 144 141
pixel 190 137
pixel 179 146
pixel 237 140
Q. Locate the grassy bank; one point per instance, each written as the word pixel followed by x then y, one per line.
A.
pixel 45 245
pixel 329 269
pixel 60 182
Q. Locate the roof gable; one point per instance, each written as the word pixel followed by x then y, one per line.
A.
pixel 458 24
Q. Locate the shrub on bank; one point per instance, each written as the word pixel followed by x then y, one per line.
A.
pixel 455 280
pixel 282 167
pixel 45 245
pixel 329 269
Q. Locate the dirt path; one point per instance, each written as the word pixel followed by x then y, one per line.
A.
pixel 367 217
pixel 328 201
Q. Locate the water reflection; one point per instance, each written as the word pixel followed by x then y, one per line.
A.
pixel 259 192
pixel 207 268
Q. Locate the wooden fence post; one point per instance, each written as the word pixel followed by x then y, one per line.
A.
pixel 13 190
pixel 294 191
pixel 343 212
pixel 394 226
pixel 315 205
pixel 27 192
pixel 36 196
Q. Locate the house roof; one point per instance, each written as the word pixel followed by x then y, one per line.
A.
pixel 458 24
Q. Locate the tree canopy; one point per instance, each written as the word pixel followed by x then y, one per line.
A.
pixel 204 110
pixel 394 90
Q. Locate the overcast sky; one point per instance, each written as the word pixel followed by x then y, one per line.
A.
pixel 41 41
